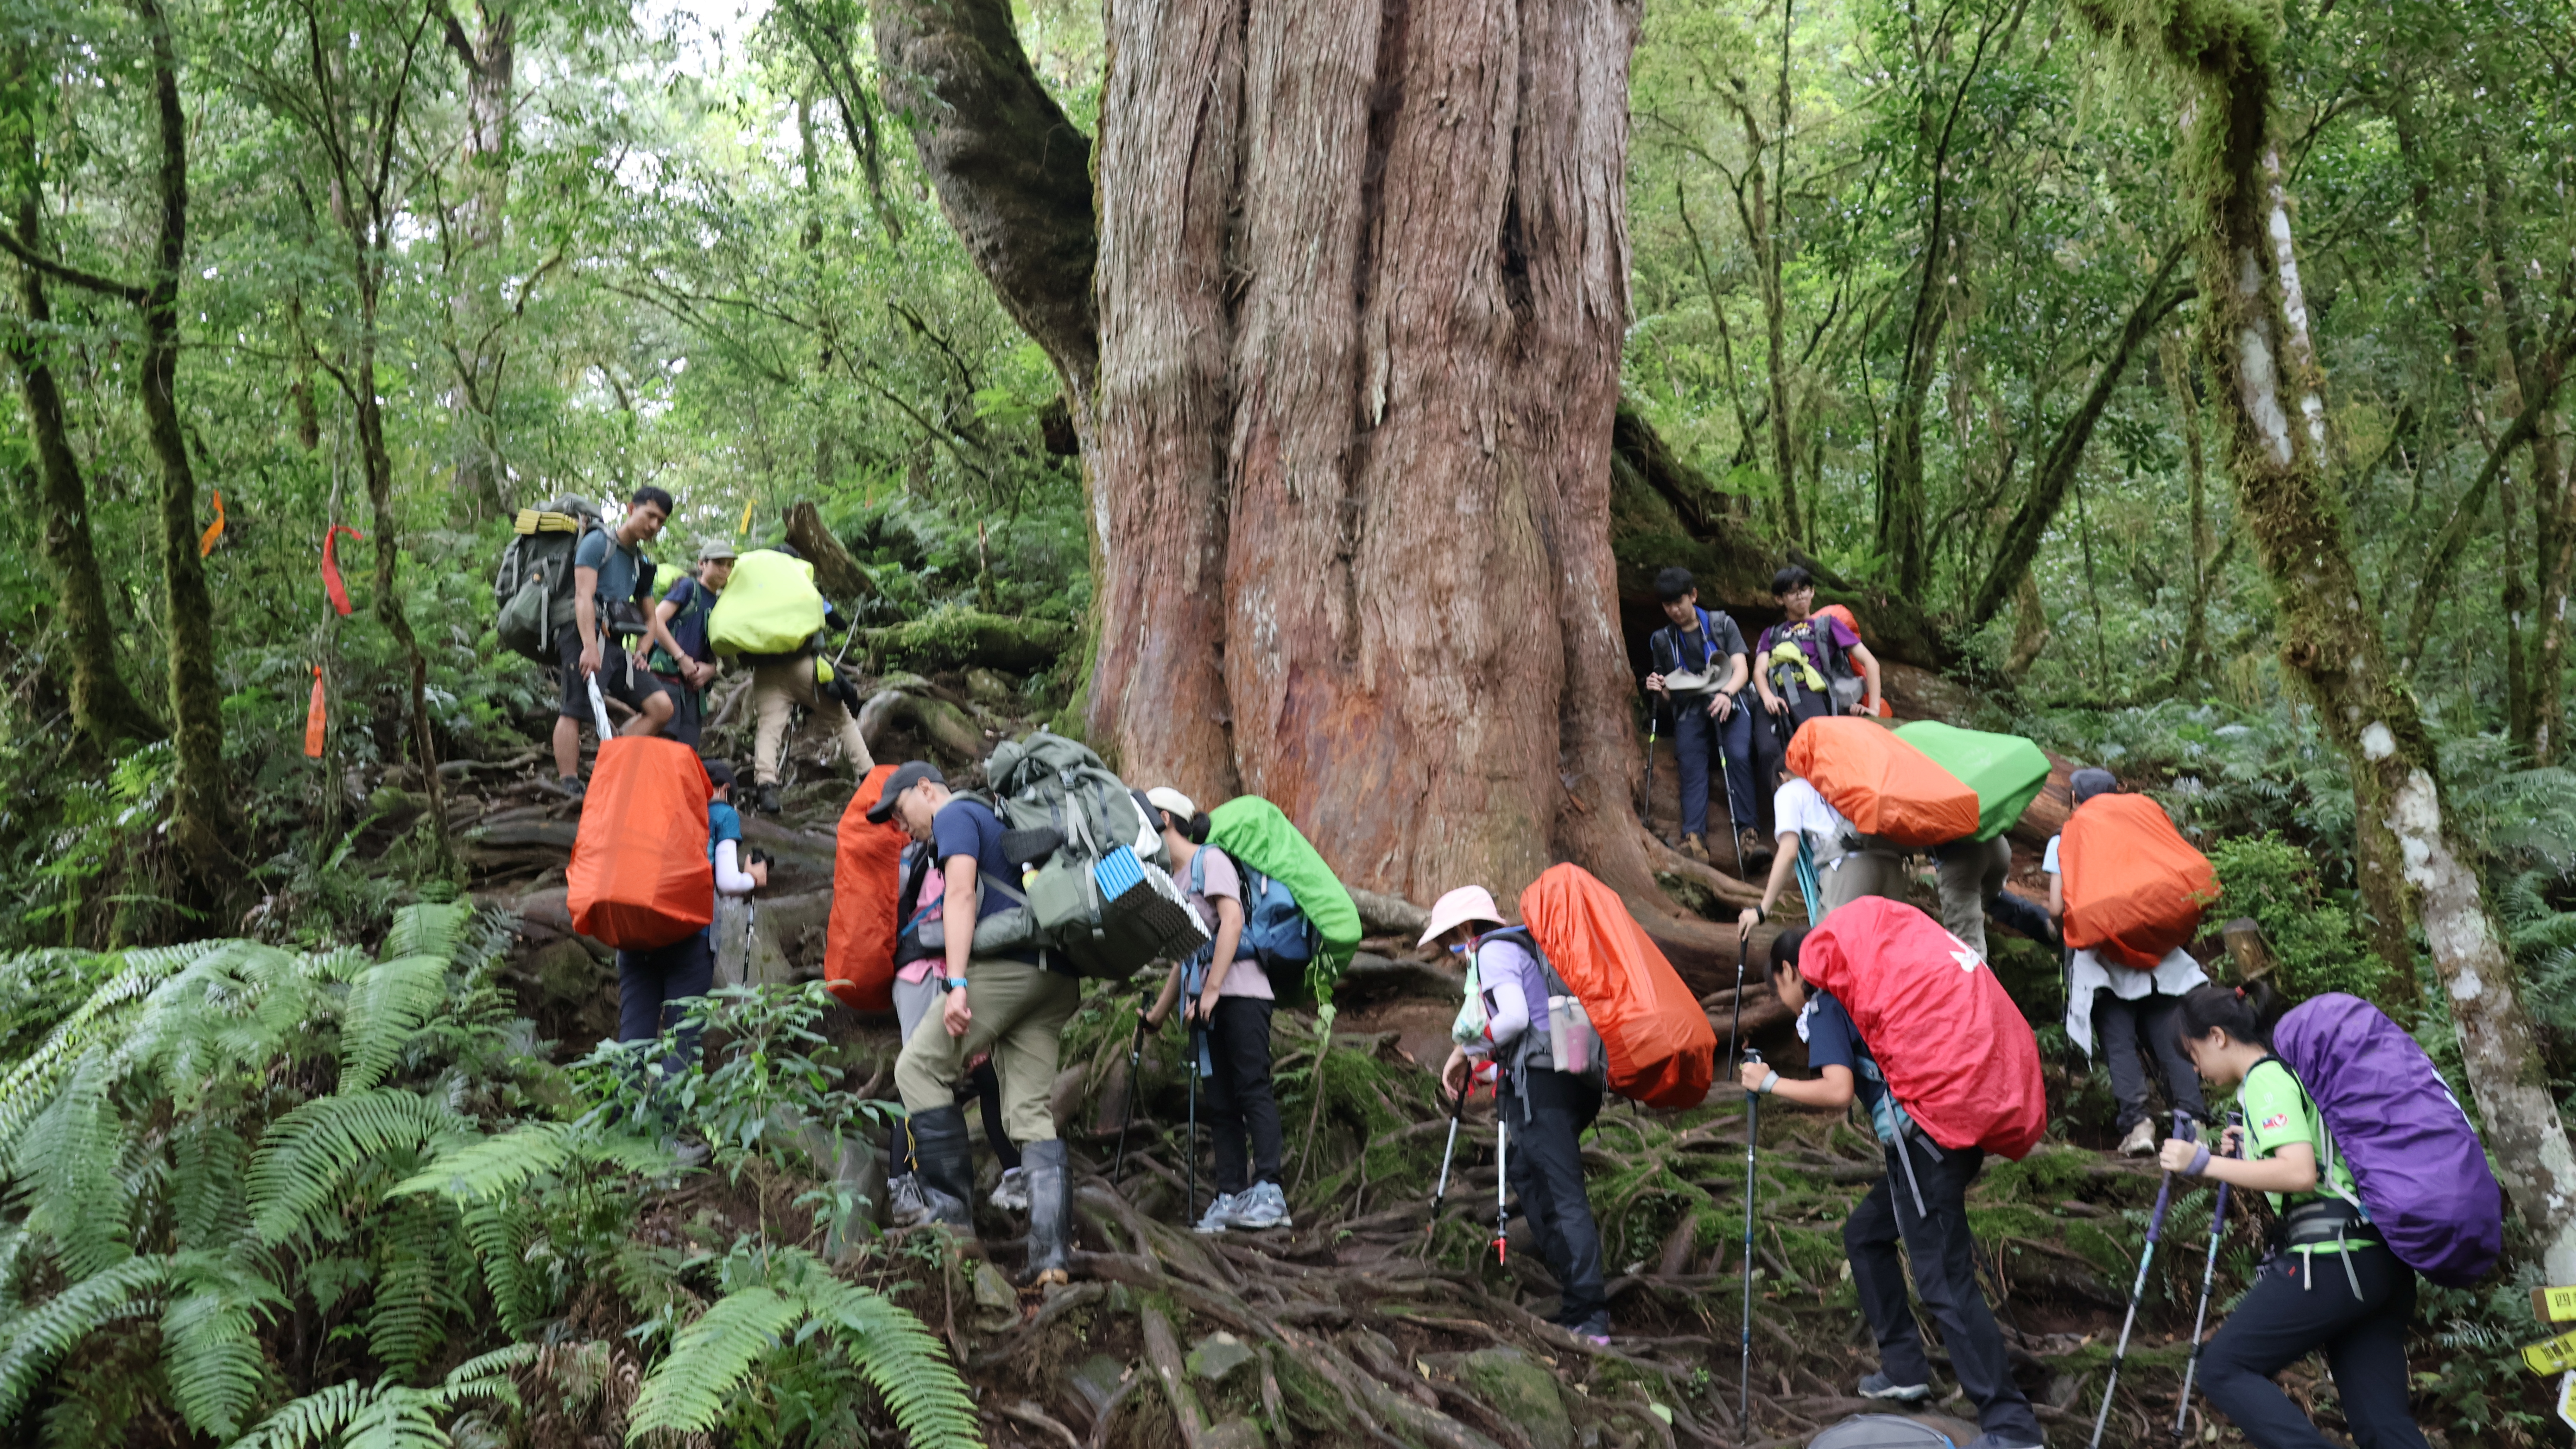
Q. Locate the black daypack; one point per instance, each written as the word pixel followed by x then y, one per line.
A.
pixel 532 592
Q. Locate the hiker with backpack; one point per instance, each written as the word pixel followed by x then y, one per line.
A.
pixel 1699 668
pixel 1542 1109
pixel 1848 864
pixel 2331 1280
pixel 1922 1200
pixel 774 617
pixel 1809 666
pixel 1230 1001
pixel 655 985
pixel 610 581
pixel 683 615
pixel 2124 993
pixel 1002 1000
pixel 917 991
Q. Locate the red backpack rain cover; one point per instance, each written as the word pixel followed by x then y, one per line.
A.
pixel 1883 785
pixel 640 876
pixel 1655 1036
pixel 2134 887
pixel 1954 1048
pixel 867 874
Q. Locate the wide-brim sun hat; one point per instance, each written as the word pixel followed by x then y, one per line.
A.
pixel 1466 903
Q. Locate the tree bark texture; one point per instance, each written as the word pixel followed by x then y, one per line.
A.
pixel 200 818
pixel 2265 377
pixel 489 58
pixel 104 710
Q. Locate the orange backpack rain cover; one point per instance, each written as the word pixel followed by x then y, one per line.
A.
pixel 2134 887
pixel 1655 1037
pixel 867 874
pixel 1954 1048
pixel 640 876
pixel 1883 785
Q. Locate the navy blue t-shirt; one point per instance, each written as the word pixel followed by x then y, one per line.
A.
pixel 969 827
pixel 689 625
pixel 1833 1041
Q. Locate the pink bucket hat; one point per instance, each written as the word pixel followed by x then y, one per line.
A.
pixel 1466 903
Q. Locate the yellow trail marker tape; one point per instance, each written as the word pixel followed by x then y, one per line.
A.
pixel 747 506
pixel 2553 1305
pixel 2551 1355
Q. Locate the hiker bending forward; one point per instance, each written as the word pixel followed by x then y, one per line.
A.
pixel 2327 1283
pixel 1541 1111
pixel 1849 865
pixel 1922 1201
pixel 1228 1007
pixel 1007 1002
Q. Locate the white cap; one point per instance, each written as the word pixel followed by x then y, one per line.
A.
pixel 1164 797
pixel 1466 903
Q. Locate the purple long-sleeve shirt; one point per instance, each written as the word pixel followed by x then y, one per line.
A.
pixel 1502 966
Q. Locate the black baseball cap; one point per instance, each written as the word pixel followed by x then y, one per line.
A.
pixel 2086 783
pixel 720 772
pixel 905 776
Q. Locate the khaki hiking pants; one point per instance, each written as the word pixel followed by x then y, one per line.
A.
pixel 1861 873
pixel 776 689
pixel 1971 873
pixel 1020 1012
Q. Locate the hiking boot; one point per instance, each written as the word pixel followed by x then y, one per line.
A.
pixel 1880 1386
pixel 1219 1215
pixel 1265 1206
pixel 1750 844
pixel 944 1169
pixel 1696 847
pixel 1011 1194
pixel 905 1205
pixel 1050 1189
pixel 2141 1139
pixel 571 788
pixel 765 799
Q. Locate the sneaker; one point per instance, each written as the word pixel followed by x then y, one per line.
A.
pixel 1696 847
pixel 765 799
pixel 570 787
pixel 1880 1386
pixel 904 1202
pixel 1219 1215
pixel 1594 1330
pixel 1011 1194
pixel 2141 1140
pixel 1265 1206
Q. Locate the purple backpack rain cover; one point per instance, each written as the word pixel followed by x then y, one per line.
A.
pixel 2395 1124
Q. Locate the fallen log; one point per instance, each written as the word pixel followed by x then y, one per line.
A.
pixel 943 724
pixel 956 638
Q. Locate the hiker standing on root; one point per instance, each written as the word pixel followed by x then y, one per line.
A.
pixel 917 992
pixel 609 579
pixel 1935 1234
pixel 2327 1282
pixel 783 683
pixel 654 986
pixel 1809 665
pixel 1699 667
pixel 1230 1001
pixel 1543 1111
pixel 683 617
pixel 1849 865
pixel 1007 1002
pixel 2126 1008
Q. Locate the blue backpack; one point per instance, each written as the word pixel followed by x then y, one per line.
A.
pixel 1276 932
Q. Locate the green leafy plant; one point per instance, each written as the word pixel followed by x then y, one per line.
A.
pixel 2313 938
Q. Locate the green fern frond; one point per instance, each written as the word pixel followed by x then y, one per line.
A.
pixel 210 1334
pixel 30 1084
pixel 388 1004
pixel 688 1390
pixel 39 1337
pixel 317 1418
pixel 306 1154
pixel 206 1162
pixel 406 1315
pixel 897 1353
pixel 489 1167
pixel 500 1232
pixel 66 1163
pixel 428 930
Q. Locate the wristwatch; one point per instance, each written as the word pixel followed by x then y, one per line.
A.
pixel 956 983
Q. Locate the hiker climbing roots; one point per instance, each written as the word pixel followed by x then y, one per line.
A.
pixel 1545 1110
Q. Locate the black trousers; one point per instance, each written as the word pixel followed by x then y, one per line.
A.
pixel 1945 1277
pixel 1543 1157
pixel 652 985
pixel 2289 1313
pixel 2121 1026
pixel 1242 1112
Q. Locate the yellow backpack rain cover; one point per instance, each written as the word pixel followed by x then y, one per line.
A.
pixel 769 606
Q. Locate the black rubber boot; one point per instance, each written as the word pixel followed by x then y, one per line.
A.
pixel 1050 1211
pixel 945 1167
pixel 765 799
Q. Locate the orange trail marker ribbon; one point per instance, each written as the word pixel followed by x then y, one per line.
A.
pixel 214 530
pixel 331 581
pixel 317 720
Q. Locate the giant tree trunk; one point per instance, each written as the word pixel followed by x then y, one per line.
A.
pixel 489 59
pixel 2270 394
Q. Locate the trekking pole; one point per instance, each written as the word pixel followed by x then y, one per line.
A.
pixel 1457 1109
pixel 1502 1240
pixel 1135 1083
pixel 1654 718
pixel 1192 1203
pixel 1736 1025
pixel 1744 1333
pixel 2200 1318
pixel 2137 1290
pixel 1726 782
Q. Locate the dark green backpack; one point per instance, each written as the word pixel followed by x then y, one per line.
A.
pixel 533 590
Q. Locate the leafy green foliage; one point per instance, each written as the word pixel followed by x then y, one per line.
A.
pixel 2315 942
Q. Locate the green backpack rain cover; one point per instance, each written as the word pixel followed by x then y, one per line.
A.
pixel 2006 771
pixel 1255 832
pixel 769 606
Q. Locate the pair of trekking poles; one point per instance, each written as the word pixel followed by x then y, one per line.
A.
pixel 1645 812
pixel 2138 1290
pixel 1135 1065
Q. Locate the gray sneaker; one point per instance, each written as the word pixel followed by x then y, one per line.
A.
pixel 905 1203
pixel 1011 1194
pixel 1220 1214
pixel 1264 1206
pixel 1880 1386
